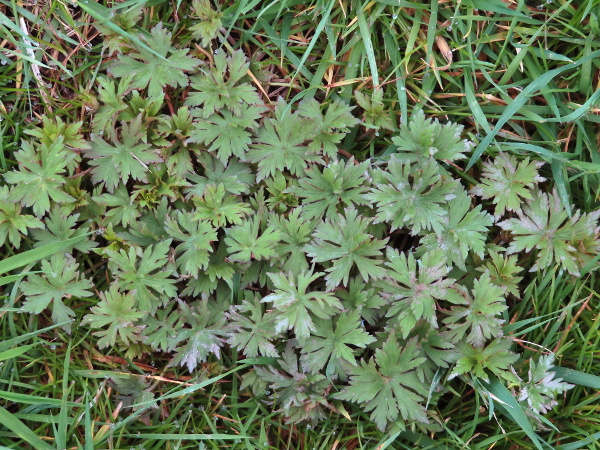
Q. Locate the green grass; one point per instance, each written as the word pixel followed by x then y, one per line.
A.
pixel 523 76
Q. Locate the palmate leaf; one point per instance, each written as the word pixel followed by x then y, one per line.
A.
pixel 219 87
pixel 295 308
pixel 60 280
pixel 346 243
pixel 461 231
pixel 118 311
pixel 281 144
pixel 388 384
pixel 412 196
pixel 61 227
pixel 412 288
pixel 541 388
pixel 301 396
pixel 41 176
pixel 144 274
pixel 125 159
pixel 210 21
pixel 422 138
pixel 332 126
pixel 203 335
pixel 219 207
pixel 476 361
pixel 14 224
pixel 251 329
pixel 192 255
pixel 123 210
pixel 148 70
pixel 375 114
pixel 437 345
pixel 245 244
pixel 508 182
pixel 326 190
pixel 544 225
pixel 227 133
pixel 294 234
pixel 328 344
pixel 160 331
pixel 235 176
pixel 112 96
pixel 477 312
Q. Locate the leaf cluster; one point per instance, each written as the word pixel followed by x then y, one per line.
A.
pixel 228 224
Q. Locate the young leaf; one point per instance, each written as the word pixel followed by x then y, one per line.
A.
pixel 503 271
pixel 61 280
pixel 329 345
pixel 112 95
pixel 210 21
pixel 118 312
pixel 219 208
pixel 280 199
pixel 150 70
pixel 54 128
pixel 508 182
pixel 362 297
pixel 541 388
pixel 346 243
pixel 375 114
pixel 388 384
pixel 295 308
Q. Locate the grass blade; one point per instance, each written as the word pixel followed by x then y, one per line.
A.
pixel 365 34
pixel 580 443
pixel 512 409
pixel 102 14
pixel 13 353
pixel 314 39
pixel 520 101
pixel 9 421
pixel 31 256
pixel 577 377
